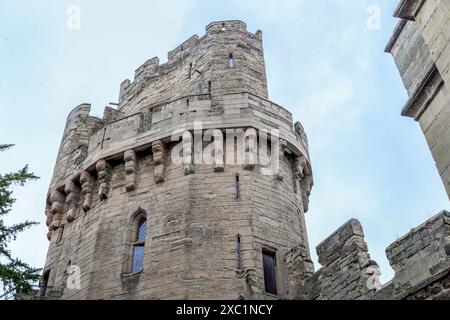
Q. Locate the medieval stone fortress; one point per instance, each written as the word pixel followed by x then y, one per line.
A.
pixel 196 186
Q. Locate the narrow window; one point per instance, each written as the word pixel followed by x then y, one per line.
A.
pixel 60 234
pixel 69 264
pixel 187 102
pixel 270 284
pixel 239 253
pixel 209 86
pixel 190 70
pixel 44 283
pixel 238 188
pixel 231 60
pixel 139 246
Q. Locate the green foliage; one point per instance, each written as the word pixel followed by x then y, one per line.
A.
pixel 15 275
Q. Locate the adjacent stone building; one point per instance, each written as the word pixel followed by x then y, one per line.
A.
pixel 420 46
pixel 421 50
pixel 134 214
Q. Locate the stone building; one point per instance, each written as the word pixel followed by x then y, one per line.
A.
pixel 133 214
pixel 138 224
pixel 420 46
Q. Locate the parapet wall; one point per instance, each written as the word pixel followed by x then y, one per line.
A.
pixel 80 127
pixel 347 271
pixel 227 59
pixel 421 260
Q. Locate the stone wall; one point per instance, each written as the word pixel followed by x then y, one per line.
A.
pixel 421 50
pixel 194 213
pixel 201 66
pixel 347 271
pixel 421 261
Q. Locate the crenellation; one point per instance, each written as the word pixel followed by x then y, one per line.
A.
pixel 180 52
pixel 226 26
pixel 347 271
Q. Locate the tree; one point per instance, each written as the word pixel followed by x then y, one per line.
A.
pixel 15 275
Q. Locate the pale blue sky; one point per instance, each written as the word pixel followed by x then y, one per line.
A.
pixel 323 64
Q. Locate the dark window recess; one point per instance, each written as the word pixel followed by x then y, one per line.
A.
pixel 239 253
pixel 270 285
pixel 238 188
pixel 209 86
pixel 187 102
pixel 60 234
pixel 69 264
pixel 231 61
pixel 44 283
pixel 139 246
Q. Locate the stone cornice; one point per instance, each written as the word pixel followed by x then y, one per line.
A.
pixel 397 31
pixel 408 9
pixel 425 93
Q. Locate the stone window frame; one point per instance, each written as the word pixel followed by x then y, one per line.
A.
pixel 44 282
pixel 135 219
pixel 274 252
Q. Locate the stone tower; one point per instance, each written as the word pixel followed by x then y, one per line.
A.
pixel 131 215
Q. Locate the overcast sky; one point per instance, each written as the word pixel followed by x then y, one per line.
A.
pixel 323 64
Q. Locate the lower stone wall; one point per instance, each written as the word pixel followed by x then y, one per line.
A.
pixel 437 290
pixel 421 260
pixel 348 273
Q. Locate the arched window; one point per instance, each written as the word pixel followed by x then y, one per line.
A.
pixel 139 245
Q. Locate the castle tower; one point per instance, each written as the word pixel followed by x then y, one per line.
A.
pixel 173 195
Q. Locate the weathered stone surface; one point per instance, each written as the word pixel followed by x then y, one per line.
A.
pixel 421 50
pixel 420 255
pixel 193 213
pixel 347 272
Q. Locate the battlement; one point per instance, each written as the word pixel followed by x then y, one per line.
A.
pixel 331 248
pixel 347 271
pixel 183 49
pixel 226 25
pixel 422 253
pixel 227 59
